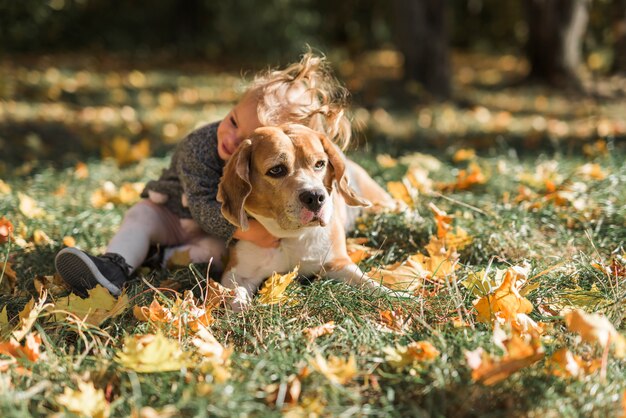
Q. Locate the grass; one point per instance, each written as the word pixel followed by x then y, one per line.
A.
pixel 268 341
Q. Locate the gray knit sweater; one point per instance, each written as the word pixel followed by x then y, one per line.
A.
pixel 195 170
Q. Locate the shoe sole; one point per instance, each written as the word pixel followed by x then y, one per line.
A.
pixel 77 270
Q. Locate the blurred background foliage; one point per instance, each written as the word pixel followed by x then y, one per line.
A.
pixel 81 78
pixel 251 30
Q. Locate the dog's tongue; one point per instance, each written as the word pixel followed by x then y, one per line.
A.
pixel 306 216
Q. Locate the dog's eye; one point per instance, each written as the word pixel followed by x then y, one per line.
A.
pixel 320 164
pixel 277 171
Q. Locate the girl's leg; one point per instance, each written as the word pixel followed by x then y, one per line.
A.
pixel 144 224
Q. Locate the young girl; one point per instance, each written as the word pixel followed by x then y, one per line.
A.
pixel 180 210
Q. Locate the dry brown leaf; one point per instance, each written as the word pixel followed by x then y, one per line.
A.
pixel 315 332
pixel 8 279
pixel 99 306
pixel 404 276
pixel 395 320
pixel 54 284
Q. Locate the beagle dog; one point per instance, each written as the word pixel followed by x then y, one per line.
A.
pixel 293 181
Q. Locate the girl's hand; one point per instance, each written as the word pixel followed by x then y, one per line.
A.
pixel 257 234
pixel 156 197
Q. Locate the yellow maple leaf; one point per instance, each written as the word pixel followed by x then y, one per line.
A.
pixel 315 332
pixel 273 290
pixel 441 262
pixel 594 328
pixel 416 352
pixel 69 241
pixel 99 306
pixel 85 401
pixel 152 353
pixel 520 352
pixel 482 283
pixel 337 370
pixel 506 302
pixel 4 318
pixel 29 207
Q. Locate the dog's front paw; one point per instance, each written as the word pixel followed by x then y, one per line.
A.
pixel 242 300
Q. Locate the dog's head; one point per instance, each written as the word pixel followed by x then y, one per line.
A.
pixel 286 174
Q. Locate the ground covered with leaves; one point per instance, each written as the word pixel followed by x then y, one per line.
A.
pixel 514 254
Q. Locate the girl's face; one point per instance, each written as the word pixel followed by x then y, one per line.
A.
pixel 238 125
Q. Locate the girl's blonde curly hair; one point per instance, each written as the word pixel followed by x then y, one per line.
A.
pixel 305 92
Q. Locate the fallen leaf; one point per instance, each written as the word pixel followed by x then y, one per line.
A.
pixel 81 171
pixel 401 191
pixel 399 276
pixel 29 315
pixel 4 318
pixel 359 252
pixel 6 230
pixel 563 363
pixel 41 238
pixel 215 357
pixel 337 370
pixel 30 350
pixel 54 284
pixel 8 279
pixel 594 328
pixel 519 353
pixel 395 321
pixel 313 333
pixel 464 154
pixel 400 357
pixel 506 302
pixel 273 290
pixel 216 294
pixel 591 171
pixel 386 161
pixel 99 306
pixel 441 262
pixel 85 401
pixel 29 207
pixel 4 188
pixel 289 390
pixel 69 241
pixel 482 283
pixel 151 353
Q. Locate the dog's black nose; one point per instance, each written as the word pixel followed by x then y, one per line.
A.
pixel 313 199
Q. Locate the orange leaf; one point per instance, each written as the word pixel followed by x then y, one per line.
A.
pixel 519 354
pixel 6 230
pixel 506 302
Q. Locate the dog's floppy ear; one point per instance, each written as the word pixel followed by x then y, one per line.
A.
pixel 338 166
pixel 235 187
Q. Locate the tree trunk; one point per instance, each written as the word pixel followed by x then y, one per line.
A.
pixel 555 33
pixel 422 36
pixel 619 33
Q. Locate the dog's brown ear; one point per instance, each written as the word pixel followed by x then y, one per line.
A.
pixel 338 166
pixel 235 187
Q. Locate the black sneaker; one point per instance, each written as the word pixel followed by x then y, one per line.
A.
pixel 83 271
